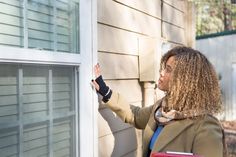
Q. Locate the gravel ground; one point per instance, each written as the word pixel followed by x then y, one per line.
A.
pixel 230 136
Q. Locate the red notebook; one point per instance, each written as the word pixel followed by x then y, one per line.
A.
pixel 174 154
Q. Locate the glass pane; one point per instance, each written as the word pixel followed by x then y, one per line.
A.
pixel 40 24
pixel 35 93
pixel 8 94
pixel 50 25
pixel 68 25
pixel 11 26
pixel 9 140
pixel 62 91
pixel 46 120
pixel 63 141
pixel 53 26
pixel 36 139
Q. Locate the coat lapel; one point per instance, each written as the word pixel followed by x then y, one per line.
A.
pixel 150 128
pixel 171 131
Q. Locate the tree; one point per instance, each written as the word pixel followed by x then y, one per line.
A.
pixel 214 16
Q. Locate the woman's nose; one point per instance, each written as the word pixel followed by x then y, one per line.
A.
pixel 162 73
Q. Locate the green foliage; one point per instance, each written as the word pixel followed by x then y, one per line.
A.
pixel 214 16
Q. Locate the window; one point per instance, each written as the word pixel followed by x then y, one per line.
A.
pixel 37 111
pixel 40 24
pixel 39 79
pixel 47 50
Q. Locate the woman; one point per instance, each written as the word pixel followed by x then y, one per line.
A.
pixel 182 121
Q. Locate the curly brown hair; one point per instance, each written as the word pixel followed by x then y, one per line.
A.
pixel 194 87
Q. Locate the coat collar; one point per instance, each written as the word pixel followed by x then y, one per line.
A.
pixel 171 131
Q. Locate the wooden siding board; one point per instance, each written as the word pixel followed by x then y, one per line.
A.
pixel 109 122
pixel 173 16
pixel 150 7
pixel 118 144
pixel 116 40
pixel 129 135
pixel 176 4
pixel 149 57
pixel 115 14
pixel 116 66
pixel 138 151
pixel 173 33
pixel 130 89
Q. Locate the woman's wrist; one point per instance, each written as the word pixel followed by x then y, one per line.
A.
pixel 104 90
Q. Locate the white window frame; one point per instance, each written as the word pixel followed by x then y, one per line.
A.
pixel 87 131
pixel 22 55
pixel 88 99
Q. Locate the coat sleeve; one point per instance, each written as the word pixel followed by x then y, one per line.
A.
pixel 136 116
pixel 209 139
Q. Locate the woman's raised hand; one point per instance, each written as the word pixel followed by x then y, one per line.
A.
pixel 97 72
pixel 100 85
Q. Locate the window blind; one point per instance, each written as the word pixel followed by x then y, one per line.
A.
pixel 11 25
pixel 37 111
pixel 50 24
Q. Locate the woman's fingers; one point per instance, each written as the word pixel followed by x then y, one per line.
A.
pixel 95 85
pixel 97 73
pixel 97 70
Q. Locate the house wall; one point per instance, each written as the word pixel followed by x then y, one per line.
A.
pixel 221 51
pixel 125 28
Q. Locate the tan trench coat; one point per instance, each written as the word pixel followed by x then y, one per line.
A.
pixel 200 136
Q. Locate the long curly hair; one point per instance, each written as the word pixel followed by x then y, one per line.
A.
pixel 194 87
